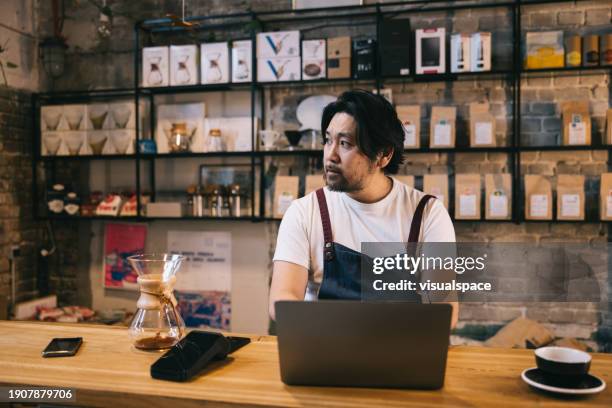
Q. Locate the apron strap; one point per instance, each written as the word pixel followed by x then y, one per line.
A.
pixel 415 227
pixel 328 248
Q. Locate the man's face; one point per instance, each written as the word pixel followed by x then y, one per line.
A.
pixel 347 169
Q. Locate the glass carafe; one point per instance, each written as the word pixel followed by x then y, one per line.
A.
pixel 157 324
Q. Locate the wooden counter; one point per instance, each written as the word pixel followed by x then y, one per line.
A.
pixel 107 371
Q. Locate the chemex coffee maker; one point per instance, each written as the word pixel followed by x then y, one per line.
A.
pixel 157 324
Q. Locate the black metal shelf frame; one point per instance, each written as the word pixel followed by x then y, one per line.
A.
pixel 258 21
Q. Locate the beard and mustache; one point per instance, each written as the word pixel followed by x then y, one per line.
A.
pixel 336 180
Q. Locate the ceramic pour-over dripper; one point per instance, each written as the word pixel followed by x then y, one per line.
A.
pixel 157 324
pixel 294 137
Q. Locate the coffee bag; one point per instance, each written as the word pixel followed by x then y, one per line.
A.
pixel 482 126
pixel 467 196
pixel 410 116
pixel 498 201
pixel 442 126
pixel 538 198
pixel 576 123
pixel 436 185
pixel 570 197
pixel 609 129
pixel 285 191
pixel 605 195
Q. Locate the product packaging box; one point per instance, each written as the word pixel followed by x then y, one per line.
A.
pixel 538 197
pixel 544 49
pixel 214 63
pixel 242 71
pixel 480 52
pixel 570 197
pixel 410 116
pixel 183 65
pixel 394 44
pixel 364 58
pixel 482 126
pixel 460 53
pixel 576 123
pixel 467 196
pixel 278 44
pixel 498 200
pixel 155 66
pixel 339 57
pixel 278 69
pixel 313 59
pixel 442 126
pixel 431 51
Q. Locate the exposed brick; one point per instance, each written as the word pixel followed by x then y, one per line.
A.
pixel 552 124
pixel 572 18
pixel 567 168
pixel 542 168
pixel 599 155
pixel 470 157
pixel 497 157
pixel 542 20
pixel 531 125
pixel 600 16
pixel 568 156
pixel 527 157
pixel 543 108
pixel 594 169
pixel 569 80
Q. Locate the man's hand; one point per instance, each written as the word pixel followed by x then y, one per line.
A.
pixel 289 282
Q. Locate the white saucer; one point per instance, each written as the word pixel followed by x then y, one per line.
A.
pixel 590 385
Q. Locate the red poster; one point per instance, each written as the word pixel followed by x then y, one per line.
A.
pixel 120 242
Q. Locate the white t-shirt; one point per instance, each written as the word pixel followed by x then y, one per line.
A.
pixel 300 236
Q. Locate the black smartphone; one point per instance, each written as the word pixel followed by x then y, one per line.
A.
pixel 192 353
pixel 62 347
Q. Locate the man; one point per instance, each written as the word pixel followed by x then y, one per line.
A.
pixel 320 234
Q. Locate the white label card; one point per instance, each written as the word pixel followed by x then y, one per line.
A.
pixel 467 205
pixel 539 205
pixel 442 134
pixel 570 205
pixel 409 135
pixel 498 205
pixel 484 133
pixel 577 133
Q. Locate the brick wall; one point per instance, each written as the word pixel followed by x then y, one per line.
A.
pixel 94 62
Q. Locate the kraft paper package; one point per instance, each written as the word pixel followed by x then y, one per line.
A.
pixel 410 116
pixel 285 191
pixel 498 201
pixel 406 179
pixel 605 195
pixel 609 129
pixel 576 123
pixel 570 197
pixel 436 185
pixel 467 196
pixel 313 182
pixel 538 198
pixel 482 126
pixel 442 126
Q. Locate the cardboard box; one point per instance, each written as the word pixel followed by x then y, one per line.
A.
pixel 278 69
pixel 410 116
pixel 544 49
pixel 214 63
pixel 394 44
pixel 480 52
pixel 183 65
pixel 431 51
pixel 27 310
pixel 339 57
pixel 364 58
pixel 482 126
pixel 242 70
pixel 155 66
pixel 313 59
pixel 278 44
pixel 460 53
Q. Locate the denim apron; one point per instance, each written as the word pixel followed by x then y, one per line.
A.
pixel 342 265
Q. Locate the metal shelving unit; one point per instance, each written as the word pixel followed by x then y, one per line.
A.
pixel 372 14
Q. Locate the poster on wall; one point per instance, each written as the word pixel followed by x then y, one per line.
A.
pixel 120 242
pixel 204 281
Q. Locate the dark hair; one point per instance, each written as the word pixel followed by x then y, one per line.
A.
pixel 378 128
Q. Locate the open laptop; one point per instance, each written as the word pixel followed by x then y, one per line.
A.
pixel 350 343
